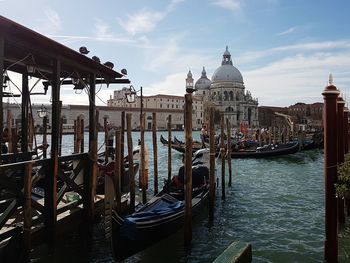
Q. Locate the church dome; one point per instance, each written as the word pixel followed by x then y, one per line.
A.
pixel 227 72
pixel 203 82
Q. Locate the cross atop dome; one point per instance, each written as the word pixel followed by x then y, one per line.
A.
pixel 226 58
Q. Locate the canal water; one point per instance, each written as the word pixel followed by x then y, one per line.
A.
pixel 276 204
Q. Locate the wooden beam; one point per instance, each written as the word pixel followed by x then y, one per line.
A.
pixel 51 176
pixel 2 47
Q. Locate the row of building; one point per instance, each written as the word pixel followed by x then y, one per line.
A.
pixel 225 92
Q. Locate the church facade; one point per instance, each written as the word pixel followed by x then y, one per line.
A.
pixel 226 93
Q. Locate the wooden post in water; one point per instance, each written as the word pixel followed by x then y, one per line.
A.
pixel 75 137
pixel 274 134
pixel 169 147
pixel 212 165
pixel 78 129
pixel 270 134
pixel 27 223
pixel 222 152
pixel 155 152
pixel 142 161
pixel 188 171
pixel 330 95
pixel 117 168
pixel 229 153
pixel 131 163
pixel 340 147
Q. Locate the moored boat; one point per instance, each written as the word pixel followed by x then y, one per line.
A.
pixel 161 216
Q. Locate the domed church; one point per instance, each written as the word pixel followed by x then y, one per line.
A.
pixel 226 92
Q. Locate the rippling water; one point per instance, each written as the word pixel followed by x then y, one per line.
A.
pixel 276 204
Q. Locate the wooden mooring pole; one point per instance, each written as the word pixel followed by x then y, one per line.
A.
pixel 169 147
pixel 155 152
pixel 142 161
pixel 188 171
pixel 117 168
pixel 223 157
pixel 330 95
pixel 131 163
pixel 211 166
pixel 229 153
pixel 122 139
pixel 105 129
pixel 340 147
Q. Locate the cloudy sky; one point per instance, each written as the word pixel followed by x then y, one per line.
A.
pixel 284 49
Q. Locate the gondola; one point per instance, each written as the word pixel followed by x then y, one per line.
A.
pixel 161 216
pixel 267 151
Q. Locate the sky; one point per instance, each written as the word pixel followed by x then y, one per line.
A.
pixel 284 49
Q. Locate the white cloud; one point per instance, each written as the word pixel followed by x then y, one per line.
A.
pixel 51 23
pixel 173 84
pixel 232 5
pixel 299 78
pixel 288 31
pixel 102 29
pixel 145 20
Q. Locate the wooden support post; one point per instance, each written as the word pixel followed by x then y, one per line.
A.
pixel 92 152
pixel 2 50
pixel 45 137
pixel 345 131
pixel 270 135
pixel 229 153
pixel 212 165
pixel 78 129
pixel 169 147
pixel 122 139
pixel 30 131
pixel 117 168
pixel 188 171
pixel 27 223
pixel 131 163
pixel 155 152
pixel 75 138
pixel 223 157
pixel 346 148
pixel 14 140
pixel 25 113
pixel 340 147
pixel 330 95
pixel 274 135
pixel 60 136
pixel 142 161
pixel 105 129
pixel 51 177
pixel 82 135
pixel 9 130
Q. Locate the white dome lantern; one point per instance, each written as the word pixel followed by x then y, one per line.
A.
pixel 227 72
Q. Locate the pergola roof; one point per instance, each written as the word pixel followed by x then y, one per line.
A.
pixel 24 46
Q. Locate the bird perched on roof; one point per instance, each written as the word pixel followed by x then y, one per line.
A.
pixel 83 50
pixel 97 59
pixel 124 71
pixel 109 64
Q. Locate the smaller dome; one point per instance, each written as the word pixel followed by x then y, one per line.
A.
pixel 189 74
pixel 203 82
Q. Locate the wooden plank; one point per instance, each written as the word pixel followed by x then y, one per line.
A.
pixel 237 252
pixel 8 213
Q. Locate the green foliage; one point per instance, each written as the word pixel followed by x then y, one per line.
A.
pixel 342 187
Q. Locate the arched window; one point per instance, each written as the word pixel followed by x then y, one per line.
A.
pixel 225 95
pixel 229 109
pixel 231 95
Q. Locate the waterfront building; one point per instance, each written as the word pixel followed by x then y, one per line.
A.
pixel 226 93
